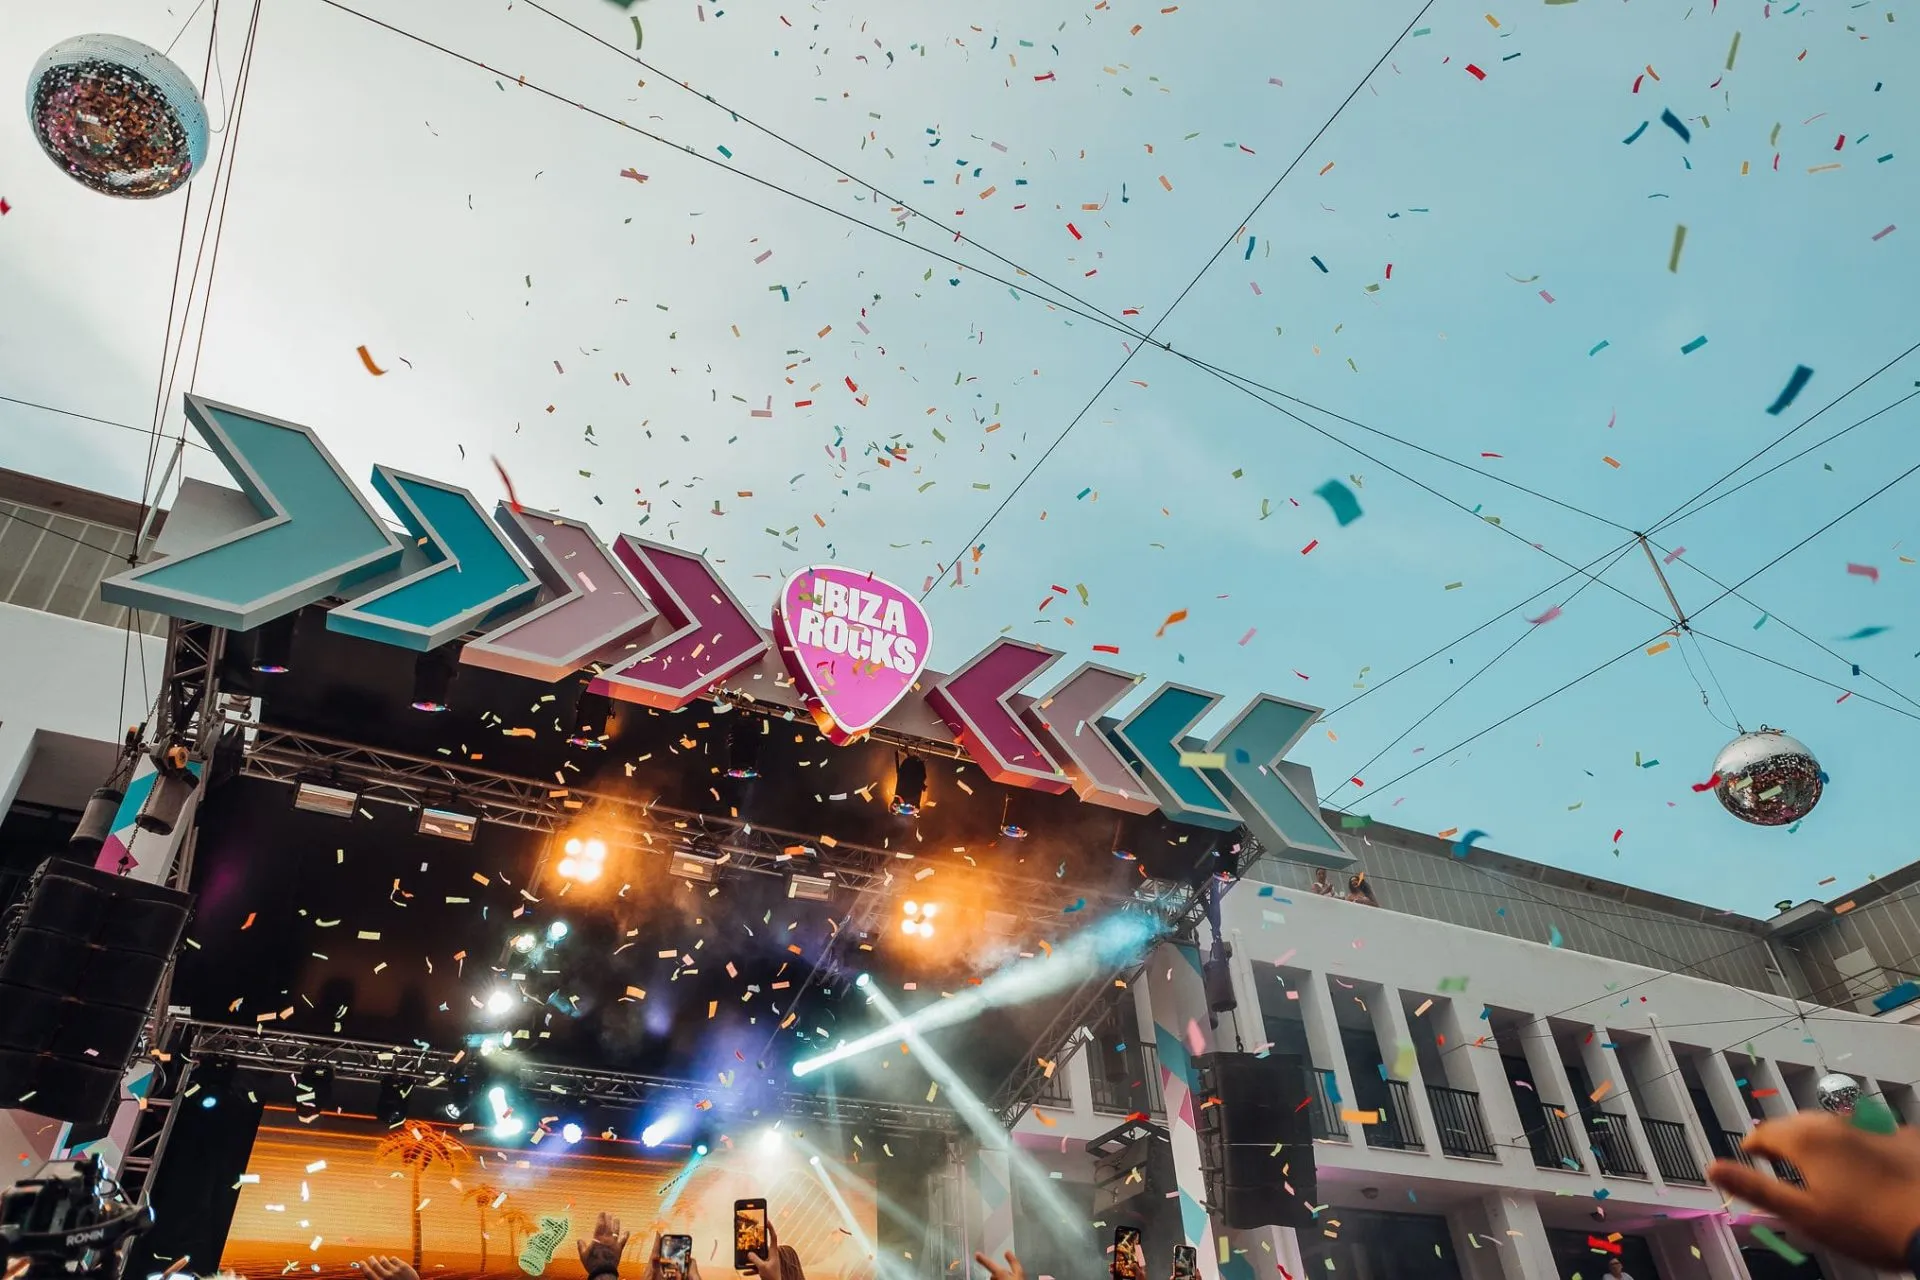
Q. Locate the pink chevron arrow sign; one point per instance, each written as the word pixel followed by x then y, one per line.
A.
pixel 702 636
pixel 853 643
pixel 976 703
pixel 594 611
pixel 1067 722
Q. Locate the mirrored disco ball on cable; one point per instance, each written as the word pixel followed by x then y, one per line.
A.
pixel 117 116
pixel 1837 1093
pixel 1767 778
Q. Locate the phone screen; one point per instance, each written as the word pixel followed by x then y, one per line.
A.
pixel 1186 1262
pixel 749 1231
pixel 1126 1254
pixel 674 1252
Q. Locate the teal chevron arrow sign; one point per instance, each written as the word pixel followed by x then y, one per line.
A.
pixel 316 535
pixel 1154 738
pixel 472 575
pixel 1253 746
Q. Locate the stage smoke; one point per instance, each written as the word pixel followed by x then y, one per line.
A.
pixel 1119 937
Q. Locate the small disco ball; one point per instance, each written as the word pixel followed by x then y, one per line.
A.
pixel 117 116
pixel 1837 1093
pixel 1767 778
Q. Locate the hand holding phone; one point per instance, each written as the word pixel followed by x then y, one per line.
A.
pixel 1186 1262
pixel 752 1240
pixel 672 1257
pixel 1127 1262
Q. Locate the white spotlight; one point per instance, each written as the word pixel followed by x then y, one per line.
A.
pixel 557 930
pixel 910 908
pixel 770 1141
pixel 659 1131
pixel 909 927
pixel 570 1132
pixel 500 1001
pixel 864 981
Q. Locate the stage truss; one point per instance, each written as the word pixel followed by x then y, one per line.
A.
pixel 288 1053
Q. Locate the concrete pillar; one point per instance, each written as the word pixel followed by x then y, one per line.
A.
pixel 1323 1038
pixel 1260 1255
pixel 1670 1087
pixel 1769 1089
pixel 1474 1055
pixel 1514 1220
pixel 1603 1065
pixel 1719 1251
pixel 1245 1029
pixel 1176 1003
pixel 1729 1107
pixel 1556 1086
pixel 1396 1047
pixel 1079 1079
pixel 1480 1258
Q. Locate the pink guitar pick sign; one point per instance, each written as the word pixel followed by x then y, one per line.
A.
pixel 853 643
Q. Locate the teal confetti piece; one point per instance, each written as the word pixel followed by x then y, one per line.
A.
pixel 1672 122
pixel 1346 507
pixel 1424 31
pixel 1762 622
pixel 1634 137
pixel 1694 346
pixel 1766 1237
pixel 1249 253
pixel 1862 634
pixel 1553 937
pixel 1797 383
pixel 723 151
pixel 1873 1115
pixel 1883 159
pixel 1464 844
pixel 1323 266
pixel 1354 821
pixel 1598 347
pixel 1649 764
pixel 1083 493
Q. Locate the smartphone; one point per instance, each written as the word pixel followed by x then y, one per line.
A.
pixel 749 1232
pixel 1126 1254
pixel 674 1252
pixel 1186 1262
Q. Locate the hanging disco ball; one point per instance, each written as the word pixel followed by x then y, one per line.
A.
pixel 117 116
pixel 1767 778
pixel 1837 1093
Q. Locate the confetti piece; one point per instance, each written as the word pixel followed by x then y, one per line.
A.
pixel 1598 347
pixel 1864 571
pixel 1884 232
pixel 1679 240
pixel 1662 647
pixel 1862 634
pixel 1464 844
pixel 1708 785
pixel 1248 636
pixel 1694 346
pixel 1203 760
pixel 1733 50
pixel 367 360
pixel 1672 122
pixel 1310 546
pixel 639 37
pixel 1476 72
pixel 1766 1237
pixel 1634 137
pixel 507 480
pixel 1612 462
pixel 1346 508
pixel 1178 615
pixel 1316 262
pixel 1548 616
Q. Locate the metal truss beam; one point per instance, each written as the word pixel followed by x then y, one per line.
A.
pixel 390 777
pixel 282 1052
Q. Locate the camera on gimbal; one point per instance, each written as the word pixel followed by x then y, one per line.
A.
pixel 73 1221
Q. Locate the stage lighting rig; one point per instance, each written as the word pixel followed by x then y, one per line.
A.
pixel 592 718
pixel 917 918
pixel 329 795
pixel 461 1092
pixel 391 1106
pixel 433 674
pixel 448 824
pixel 909 786
pixel 743 747
pixel 313 1090
pixel 585 860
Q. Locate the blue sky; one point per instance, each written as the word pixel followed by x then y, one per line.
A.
pixel 480 240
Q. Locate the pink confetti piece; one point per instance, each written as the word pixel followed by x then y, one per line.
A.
pixel 1546 295
pixel 1255 286
pixel 763 257
pixel 1248 636
pixel 1883 234
pixel 1548 616
pixel 1865 571
pixel 1673 555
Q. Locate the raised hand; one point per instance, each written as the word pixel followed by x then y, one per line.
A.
pixel 768 1265
pixel 602 1257
pixel 388 1269
pixel 1011 1271
pixel 1862 1193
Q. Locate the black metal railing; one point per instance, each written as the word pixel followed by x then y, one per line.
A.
pixel 1552 1140
pixel 1786 1172
pixel 1127 1086
pixel 1612 1144
pixel 1729 1148
pixel 1672 1153
pixel 1324 1113
pixel 1150 1079
pixel 1395 1129
pixel 1056 1090
pixel 1461 1125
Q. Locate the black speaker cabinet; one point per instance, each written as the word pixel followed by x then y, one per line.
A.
pixel 80 960
pixel 1256 1139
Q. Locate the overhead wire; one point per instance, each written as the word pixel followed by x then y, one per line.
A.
pixel 87 417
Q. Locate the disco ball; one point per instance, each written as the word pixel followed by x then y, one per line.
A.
pixel 1767 778
pixel 117 116
pixel 1838 1093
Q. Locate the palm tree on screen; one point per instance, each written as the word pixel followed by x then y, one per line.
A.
pixel 518 1222
pixel 417 1147
pixel 483 1197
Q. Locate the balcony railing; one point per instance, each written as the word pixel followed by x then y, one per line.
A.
pixel 1786 1172
pixel 1552 1142
pixel 1056 1090
pixel 1137 1090
pixel 1613 1145
pixel 1672 1154
pixel 1325 1112
pixel 1396 1130
pixel 1457 1115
